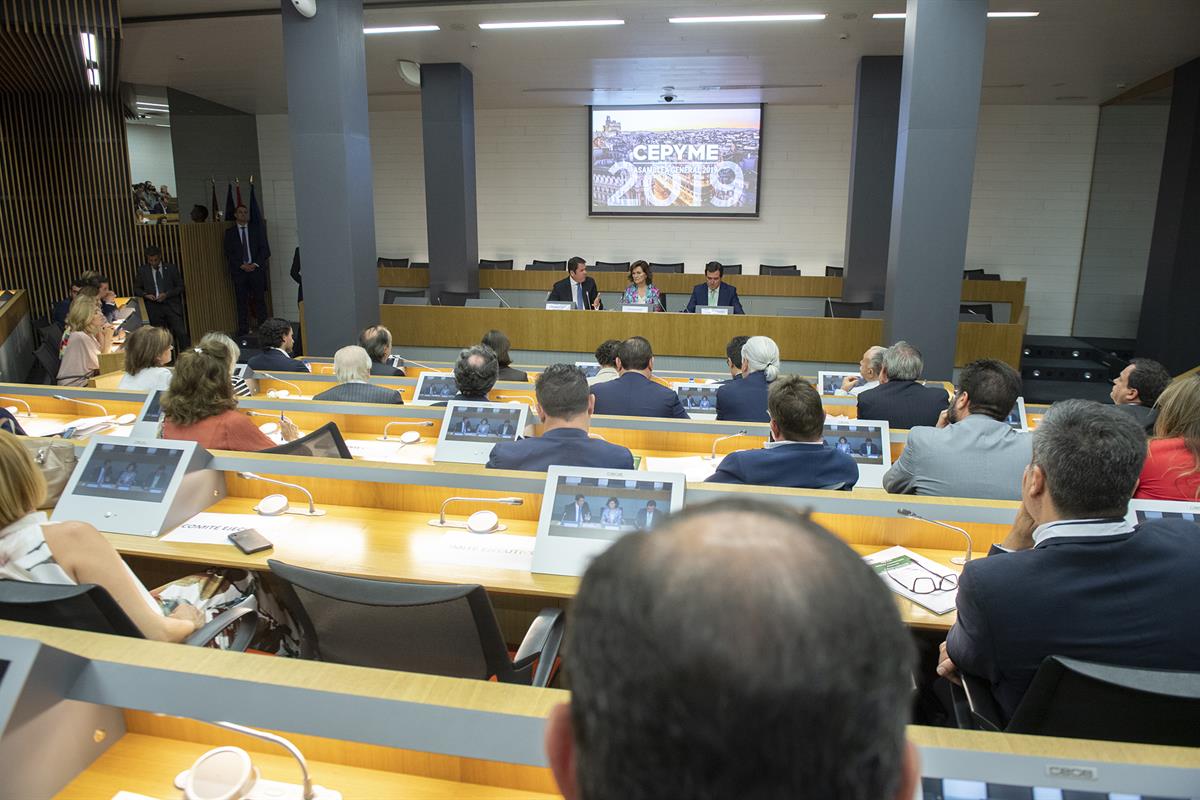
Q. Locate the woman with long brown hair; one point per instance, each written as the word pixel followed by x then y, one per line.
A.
pixel 147 353
pixel 1172 470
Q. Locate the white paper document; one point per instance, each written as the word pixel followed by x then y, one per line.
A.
pixel 497 550
pixel 696 468
pixel 924 581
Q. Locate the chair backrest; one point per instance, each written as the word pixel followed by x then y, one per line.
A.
pixel 676 268
pixel 445 297
pixel 47 356
pixel 418 265
pixel 611 266
pixel 487 263
pixel 1085 700
pixel 732 269
pixel 767 269
pixel 325 442
pixel 382 262
pixel 548 266
pixel 390 296
pixel 435 629
pixel 978 311
pixel 971 274
pixel 482 302
pixel 987 276
pixel 80 607
pixel 842 309
pixel 51 332
pixel 835 272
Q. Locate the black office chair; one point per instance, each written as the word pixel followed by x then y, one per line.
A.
pixel 987 276
pixel 835 272
pixel 767 269
pixel 671 268
pixel 611 266
pixel 972 274
pixel 978 312
pixel 1085 700
pixel 51 332
pixel 445 297
pixel 488 263
pixel 446 630
pixel 732 269
pixel 382 262
pixel 547 266
pixel 47 356
pixel 88 607
pixel 418 265
pixel 390 296
pixel 325 442
pixel 843 309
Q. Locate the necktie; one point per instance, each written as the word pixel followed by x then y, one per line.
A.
pixel 245 243
pixel 579 296
pixel 154 276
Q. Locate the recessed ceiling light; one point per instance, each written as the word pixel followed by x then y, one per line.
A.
pixel 751 18
pixel 402 29
pixel 991 15
pixel 562 23
pixel 890 15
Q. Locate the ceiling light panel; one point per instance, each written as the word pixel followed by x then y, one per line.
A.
pixel 749 18
pixel 562 23
pixel 402 29
pixel 991 15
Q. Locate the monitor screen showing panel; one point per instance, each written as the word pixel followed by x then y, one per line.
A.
pixel 1145 510
pixel 586 510
pixel 128 472
pixel 151 410
pixel 1016 418
pixel 960 789
pixel 868 442
pixel 831 382
pixel 697 399
pixel 434 387
pixel 471 430
pixel 590 368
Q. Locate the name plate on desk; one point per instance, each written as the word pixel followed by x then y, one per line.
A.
pixel 635 308
pixel 559 306
pixel 715 309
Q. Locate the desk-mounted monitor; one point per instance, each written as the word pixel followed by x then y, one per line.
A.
pixel 585 510
pixel 149 417
pixel 139 486
pixel 1017 417
pixel 868 442
pixel 471 430
pixel 433 388
pixel 831 382
pixel 1145 510
pixel 590 368
pixel 697 399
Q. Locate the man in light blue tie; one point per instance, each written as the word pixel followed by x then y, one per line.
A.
pixel 577 288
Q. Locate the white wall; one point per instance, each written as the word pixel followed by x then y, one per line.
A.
pixel 1030 200
pixel 150 155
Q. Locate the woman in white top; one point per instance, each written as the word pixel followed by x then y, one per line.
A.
pixel 89 336
pixel 147 352
pixel 34 550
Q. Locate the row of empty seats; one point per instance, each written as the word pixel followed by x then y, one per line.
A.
pixel 623 266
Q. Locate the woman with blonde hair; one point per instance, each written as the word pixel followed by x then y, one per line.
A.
pixel 746 400
pixel 1172 469
pixel 147 353
pixel 36 551
pixel 88 335
pixel 200 407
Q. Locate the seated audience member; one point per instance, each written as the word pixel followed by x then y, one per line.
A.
pixel 1136 390
pixel 746 400
pixel 641 290
pixel 59 311
pixel 577 288
pixel 276 337
pixel 810 701
pixel 377 341
pixel 868 372
pixel 972 452
pixel 35 551
pixel 733 356
pixel 108 298
pixel 648 516
pixel 797 456
pixel 1072 577
pixel 898 398
pixel 475 374
pixel 635 393
pixel 147 353
pixel 1172 470
pixel 499 343
pixel 714 291
pixel 88 336
pixel 352 367
pixel 564 407
pixel 240 387
pixel 161 288
pixel 606 357
pixel 8 422
pixel 200 407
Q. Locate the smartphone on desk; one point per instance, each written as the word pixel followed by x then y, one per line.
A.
pixel 250 541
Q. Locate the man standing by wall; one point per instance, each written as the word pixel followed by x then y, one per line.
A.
pixel 247 254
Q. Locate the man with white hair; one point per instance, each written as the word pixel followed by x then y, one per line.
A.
pixel 352 366
pixel 900 398
pixel 746 400
pixel 868 372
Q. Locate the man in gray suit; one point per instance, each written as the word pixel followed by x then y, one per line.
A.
pixel 352 366
pixel 972 452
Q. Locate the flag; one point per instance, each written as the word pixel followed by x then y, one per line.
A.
pixel 257 223
pixel 237 187
pixel 229 206
pixel 215 210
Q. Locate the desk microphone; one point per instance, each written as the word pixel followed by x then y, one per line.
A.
pixel 103 410
pixel 281 380
pixel 424 366
pixel 659 301
pixel 713 455
pixel 500 297
pixel 275 504
pixel 423 424
pixel 28 411
pixel 905 512
pixel 480 521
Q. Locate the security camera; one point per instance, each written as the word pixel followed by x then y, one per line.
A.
pixel 669 96
pixel 306 8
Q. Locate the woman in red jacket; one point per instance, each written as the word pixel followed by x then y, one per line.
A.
pixel 1172 470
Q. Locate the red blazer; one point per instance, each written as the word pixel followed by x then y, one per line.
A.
pixel 1169 473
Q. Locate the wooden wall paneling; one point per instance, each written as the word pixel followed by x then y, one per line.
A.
pixel 210 304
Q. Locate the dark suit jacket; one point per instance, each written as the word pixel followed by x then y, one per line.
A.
pixel 568 512
pixel 1142 415
pixel 273 360
pixel 570 447
pixel 796 466
pixel 9 423
pixel 170 283
pixel 385 368
pixel 904 404
pixel 562 293
pixel 361 393
pixel 235 256
pixel 297 277
pixel 1129 600
pixel 726 296
pixel 58 313
pixel 744 400
pixel 642 524
pixel 635 395
pixel 510 374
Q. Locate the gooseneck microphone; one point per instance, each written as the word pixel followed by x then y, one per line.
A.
pixel 103 410
pixel 499 297
pixel 905 512
pixel 713 455
pixel 291 385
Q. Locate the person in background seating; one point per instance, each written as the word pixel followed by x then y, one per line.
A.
pixel 498 341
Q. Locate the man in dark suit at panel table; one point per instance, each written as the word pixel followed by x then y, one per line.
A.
pixel 898 398
pixel 577 288
pixel 564 407
pixel 161 287
pixel 714 291
pixel 247 255
pixel 635 393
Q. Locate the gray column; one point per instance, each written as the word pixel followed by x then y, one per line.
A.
pixel 1169 330
pixel 872 173
pixel 331 163
pixel 448 133
pixel 935 164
